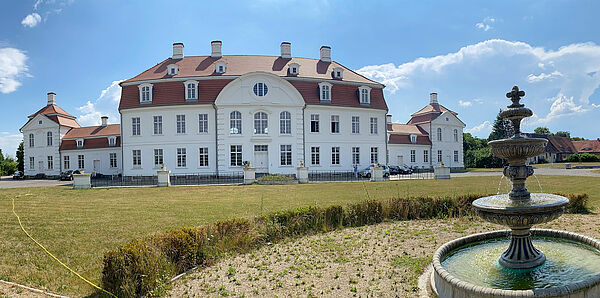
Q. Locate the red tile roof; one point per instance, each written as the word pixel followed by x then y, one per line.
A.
pixel 559 144
pixel 422 118
pixel 406 129
pixel 593 145
pixel 433 108
pixel 68 122
pixel 50 110
pixel 93 143
pixel 405 139
pixel 93 131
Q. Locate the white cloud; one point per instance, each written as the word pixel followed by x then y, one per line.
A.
pixel 561 106
pixel 543 76
pixel 481 130
pixel 9 143
pixel 486 24
pixel 12 66
pixel 31 20
pixel 465 103
pixel 106 104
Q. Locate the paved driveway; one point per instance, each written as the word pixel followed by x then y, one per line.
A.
pixel 8 182
pixel 541 171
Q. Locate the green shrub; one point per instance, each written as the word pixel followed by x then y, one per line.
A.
pixel 577 203
pixel 582 157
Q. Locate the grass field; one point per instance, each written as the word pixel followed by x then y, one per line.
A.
pixel 484 169
pixel 561 165
pixel 79 226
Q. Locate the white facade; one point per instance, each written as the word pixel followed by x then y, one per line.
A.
pixel 40 155
pixel 451 147
pixel 96 160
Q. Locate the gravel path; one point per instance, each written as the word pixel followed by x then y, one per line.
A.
pixel 8 182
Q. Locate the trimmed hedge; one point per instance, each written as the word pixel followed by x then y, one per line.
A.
pixel 145 267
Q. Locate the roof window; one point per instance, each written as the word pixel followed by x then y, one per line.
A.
pixel 173 69
pixel 294 69
pixel 338 73
pixel 220 67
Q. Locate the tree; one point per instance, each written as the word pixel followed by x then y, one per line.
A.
pixel 20 156
pixel 502 129
pixel 542 131
pixel 565 134
pixel 8 166
pixel 478 154
pixel 577 139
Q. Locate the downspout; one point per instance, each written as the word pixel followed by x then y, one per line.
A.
pixel 60 169
pixel 385 135
pixel 122 141
pixel 304 134
pixel 216 142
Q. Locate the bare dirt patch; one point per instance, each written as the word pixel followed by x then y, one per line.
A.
pixel 14 291
pixel 381 260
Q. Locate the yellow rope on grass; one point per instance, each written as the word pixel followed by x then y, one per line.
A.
pixel 55 258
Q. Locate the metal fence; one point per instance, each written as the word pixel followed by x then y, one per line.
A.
pixel 107 181
pixel 416 174
pixel 325 176
pixel 208 178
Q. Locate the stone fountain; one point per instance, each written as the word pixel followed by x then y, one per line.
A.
pixel 470 266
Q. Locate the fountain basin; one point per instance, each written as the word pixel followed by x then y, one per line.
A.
pixel 540 208
pixel 516 149
pixel 562 282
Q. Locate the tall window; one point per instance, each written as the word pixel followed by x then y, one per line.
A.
pixel 315 155
pixel 66 162
pixel 285 123
pixel 202 123
pixel 203 156
pixel 455 156
pixel 181 158
pixel 314 123
pixel 286 155
pixel 439 156
pixel 180 123
pixel 191 91
pixel 158 125
pixel 413 139
pixel 113 160
pixel 135 126
pixel 364 94
pixel 236 155
pixel 49 138
pixel 81 161
pixel 51 162
pixel 325 91
pixel 425 155
pixel 137 158
pixel 374 155
pixel 145 95
pixel 335 155
pixel 439 134
pixel 31 140
pixel 456 135
pixel 413 157
pixel 112 141
pixel 260 123
pixel 158 157
pixel 335 124
pixel 31 163
pixel 79 143
pixel 356 155
pixel 235 123
pixel 355 124
pixel 373 125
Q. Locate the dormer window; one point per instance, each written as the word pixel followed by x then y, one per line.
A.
pixel 221 67
pixel 79 143
pixel 413 139
pixel 325 91
pixel 191 90
pixel 173 69
pixel 294 69
pixel 364 95
pixel 145 93
pixel 112 141
pixel 338 73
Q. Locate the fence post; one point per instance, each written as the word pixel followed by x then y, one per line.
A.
pixel 302 174
pixel 249 175
pixel 377 173
pixel 82 181
pixel 164 177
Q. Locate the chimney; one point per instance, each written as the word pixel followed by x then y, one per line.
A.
pixel 286 50
pixel 326 54
pixel 388 119
pixel 178 50
pixel 216 48
pixel 51 98
pixel 433 98
pixel 104 120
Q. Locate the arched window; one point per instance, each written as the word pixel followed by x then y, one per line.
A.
pixel 49 138
pixel 439 134
pixel 456 135
pixel 260 123
pixel 235 123
pixel 285 123
pixel 31 140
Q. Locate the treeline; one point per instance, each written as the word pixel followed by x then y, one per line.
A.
pixel 8 164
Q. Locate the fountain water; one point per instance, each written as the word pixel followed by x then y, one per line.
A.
pixel 467 267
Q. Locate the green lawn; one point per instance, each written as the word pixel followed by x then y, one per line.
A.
pixel 484 169
pixel 79 226
pixel 561 165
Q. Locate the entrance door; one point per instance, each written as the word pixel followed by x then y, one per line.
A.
pixel 96 165
pixel 400 160
pixel 261 158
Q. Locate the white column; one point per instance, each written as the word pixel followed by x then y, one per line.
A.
pixel 302 174
pixel 82 181
pixel 249 175
pixel 164 177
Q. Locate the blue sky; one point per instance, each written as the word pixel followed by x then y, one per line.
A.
pixel 470 52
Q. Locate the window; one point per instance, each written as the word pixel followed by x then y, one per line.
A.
pixel 157 125
pixel 137 158
pixel 439 134
pixel 80 143
pixel 456 135
pixel 325 91
pixel 31 163
pixel 335 124
pixel 285 123
pixel 439 156
pixel 260 89
pixel 51 162
pixel 66 162
pixel 113 160
pixel 220 67
pixel 338 73
pixel 158 157
pixel 286 155
pixel 315 156
pixel 81 161
pixel 191 90
pixel 356 155
pixel 181 158
pixel 364 94
pixel 314 123
pixel 203 156
pixel 374 155
pixel 236 155
pixel 373 125
pixel 173 69
pixel 112 141
pixel 413 157
pixel 180 123
pixel 235 123
pixel 202 123
pixel 49 138
pixel 145 93
pixel 40 122
pixel 294 69
pixel 260 123
pixel 31 140
pixel 426 156
pixel 455 156
pixel 335 155
pixel 355 124
pixel 135 126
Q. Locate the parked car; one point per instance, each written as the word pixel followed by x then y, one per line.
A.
pixel 400 170
pixel 68 175
pixel 367 172
pixel 18 175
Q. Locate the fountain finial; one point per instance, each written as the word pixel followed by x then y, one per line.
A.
pixel 515 95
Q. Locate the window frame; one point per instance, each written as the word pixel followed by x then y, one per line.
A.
pixel 335 156
pixel 285 154
pixel 364 95
pixel 455 135
pixel 413 155
pixel 191 90
pixel 49 139
pixel 136 126
pixel 425 155
pixel 260 89
pixel 456 156
pixel 32 163
pixel 66 162
pixel 157 125
pixel 373 126
pixel 159 157
pixel 285 123
pixel 235 156
pixel 439 134
pixel 356 155
pixel 355 125
pixel 374 155
pixel 325 91
pixel 50 162
pixel 261 123
pixel 235 122
pixel 180 124
pixel 335 124
pixel 31 141
pixel 136 158
pixel 145 93
pixel 203 123
pixel 203 157
pixel 314 123
pixel 112 157
pixel 80 161
pixel 181 157
pixel 440 156
pixel 315 156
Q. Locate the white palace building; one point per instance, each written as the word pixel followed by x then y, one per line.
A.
pixel 212 114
